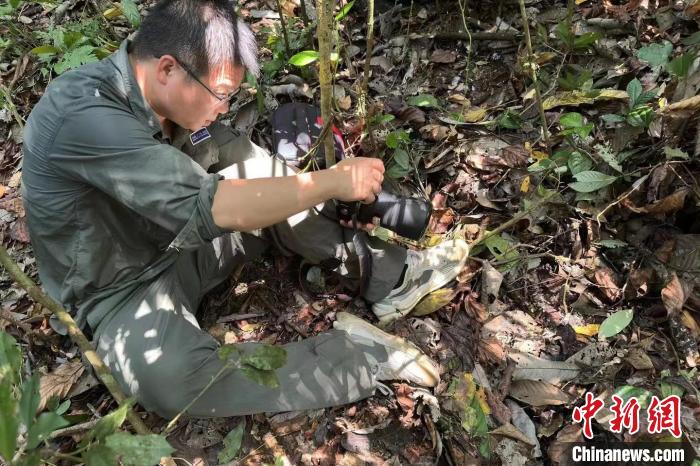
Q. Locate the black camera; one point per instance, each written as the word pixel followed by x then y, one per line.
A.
pixel 406 216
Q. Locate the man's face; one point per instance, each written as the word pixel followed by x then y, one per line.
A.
pixel 191 104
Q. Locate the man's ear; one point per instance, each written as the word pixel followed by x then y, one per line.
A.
pixel 165 67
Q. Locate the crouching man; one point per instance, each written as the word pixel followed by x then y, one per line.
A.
pixel 139 203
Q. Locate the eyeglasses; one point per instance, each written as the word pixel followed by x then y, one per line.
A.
pixel 194 76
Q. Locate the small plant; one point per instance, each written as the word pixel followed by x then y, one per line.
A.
pixel 70 46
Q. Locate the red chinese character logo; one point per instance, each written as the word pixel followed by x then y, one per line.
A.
pixel 625 416
pixel 665 415
pixel 586 413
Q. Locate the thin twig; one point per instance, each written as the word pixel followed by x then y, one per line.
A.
pixel 287 48
pixel 75 334
pixel 462 7
pixel 362 97
pixel 533 73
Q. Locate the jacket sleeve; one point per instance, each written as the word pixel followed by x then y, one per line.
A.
pixel 110 150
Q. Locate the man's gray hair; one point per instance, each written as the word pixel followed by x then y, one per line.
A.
pixel 200 33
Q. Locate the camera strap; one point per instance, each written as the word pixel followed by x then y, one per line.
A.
pixel 359 239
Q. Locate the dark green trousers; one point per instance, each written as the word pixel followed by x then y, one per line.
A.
pixel 153 344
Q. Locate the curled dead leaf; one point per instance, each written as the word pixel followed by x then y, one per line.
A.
pixel 59 382
pixel 437 133
pixel 443 56
pixel 536 393
pixel 675 294
pixel 667 205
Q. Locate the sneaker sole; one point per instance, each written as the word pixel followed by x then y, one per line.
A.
pixel 389 312
pixel 428 375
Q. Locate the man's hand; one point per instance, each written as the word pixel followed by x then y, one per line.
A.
pixel 358 179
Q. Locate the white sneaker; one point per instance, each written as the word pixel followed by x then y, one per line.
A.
pixel 427 271
pixel 405 361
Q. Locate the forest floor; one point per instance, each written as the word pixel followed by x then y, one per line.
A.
pixel 588 286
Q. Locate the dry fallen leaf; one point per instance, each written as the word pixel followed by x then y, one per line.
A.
pixel 529 367
pixel 59 382
pixel 639 359
pixel 437 133
pixel 667 205
pixel 443 56
pixel 675 294
pixel 536 393
pixel 344 103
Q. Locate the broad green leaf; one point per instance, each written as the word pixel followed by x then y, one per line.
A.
pixel 75 58
pixel 8 421
pixel 265 378
pixel 10 358
pixel 647 96
pixel 44 425
pixel 131 12
pixel 611 243
pixel 579 162
pixel 423 100
pixel 615 323
pixel 394 138
pixel 344 11
pixel 232 443
pixel 611 118
pixel 626 392
pixel 266 357
pixel 571 120
pixel 680 65
pixel 226 351
pixel 304 58
pixel 62 408
pixel 589 181
pixel 100 455
pixel 14 3
pixel 110 423
pixel 655 54
pixel 565 34
pixel 634 90
pixel 668 389
pixel 675 153
pixel 693 39
pixel 139 450
pixel 401 158
pixel 585 41
pixel 503 250
pixel 574 78
pixel 29 402
pixel 396 171
pixel 608 156
pixel 45 50
pixel 640 116
pixel 510 120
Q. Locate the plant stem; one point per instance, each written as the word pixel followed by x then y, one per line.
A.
pixel 462 7
pixel 324 13
pixel 533 72
pixel 287 49
pixel 362 98
pixel 75 334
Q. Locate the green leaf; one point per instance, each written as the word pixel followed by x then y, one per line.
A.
pixel 510 120
pixel 634 90
pixel 571 120
pixel 344 11
pixel 423 100
pixel 503 250
pixel 647 96
pixel 611 118
pixel 615 323
pixel 14 4
pixel 655 54
pixel 131 12
pixel 111 422
pixel 47 50
pixel 579 162
pixel 680 65
pixel 100 455
pixel 693 39
pixel 29 402
pixel 8 421
pixel 139 450
pixel 667 389
pixel 565 34
pixel 396 172
pixel 75 58
pixel 225 351
pixel 626 392
pixel 266 357
pixel 302 59
pixel 608 156
pixel 585 41
pixel 675 153
pixel 574 78
pixel 10 358
pixel 641 116
pixel 394 138
pixel 232 443
pixel 44 425
pixel 611 243
pixel 401 158
pixel 265 378
pixel 589 181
